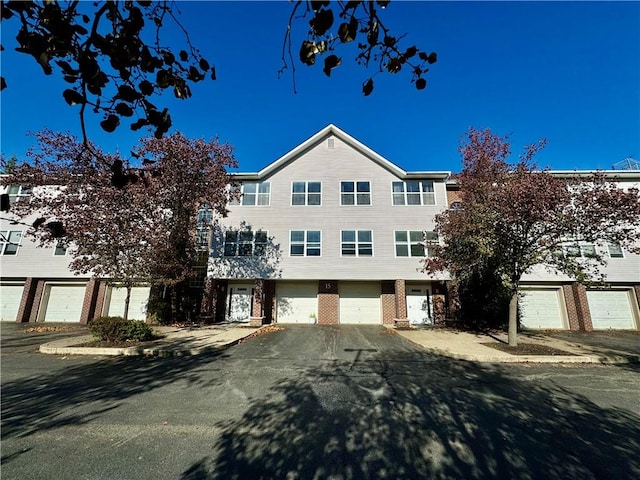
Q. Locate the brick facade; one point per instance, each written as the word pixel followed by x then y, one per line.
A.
pixel 328 302
pixel 89 309
pixel 388 289
pixel 27 301
pixel 401 320
pixel 578 315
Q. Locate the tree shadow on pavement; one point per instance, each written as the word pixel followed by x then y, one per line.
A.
pixel 79 394
pixel 412 415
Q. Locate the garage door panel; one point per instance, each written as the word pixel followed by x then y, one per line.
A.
pixel 541 308
pixel 295 302
pixel 137 302
pixel 64 303
pixel 360 303
pixel 10 297
pixel 611 309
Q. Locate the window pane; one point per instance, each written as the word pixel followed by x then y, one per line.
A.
pixel 314 199
pixel 298 187
pixel 413 199
pixel 349 249
pixel 249 199
pixel 402 250
pixel 349 236
pixel 365 250
pixel 298 199
pixel 346 186
pixel 413 187
pixel 401 236
pixel 427 186
pixel 573 251
pixel 245 249
pixel 363 187
pixel 589 250
pixel 249 188
pixel 297 250
pixel 313 187
pixel 313 236
pixel 431 237
pixel 397 187
pixel 364 236
pixel 313 252
pixel 261 237
pixel 346 199
pixel 61 249
pixel 415 236
pixel 246 236
pixel 263 199
pixel 364 199
pixel 615 250
pixel 231 236
pixel 229 249
pixel 297 236
pixel 13 189
pixel 417 251
pixel 264 187
pixel 428 198
pixel 398 199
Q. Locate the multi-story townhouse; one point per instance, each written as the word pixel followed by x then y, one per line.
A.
pixel 329 233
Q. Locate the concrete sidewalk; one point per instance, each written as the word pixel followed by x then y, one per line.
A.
pixel 180 341
pixel 471 346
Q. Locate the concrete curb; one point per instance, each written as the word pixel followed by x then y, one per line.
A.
pixel 66 347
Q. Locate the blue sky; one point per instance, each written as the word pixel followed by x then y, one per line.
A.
pixel 565 71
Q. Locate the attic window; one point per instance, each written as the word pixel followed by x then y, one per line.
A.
pixel 331 143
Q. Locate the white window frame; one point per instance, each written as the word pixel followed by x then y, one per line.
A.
pixel 61 245
pixel 305 243
pixel 358 243
pixel 245 245
pixel 579 250
pixel 306 194
pixel 617 250
pixel 17 194
pixel 416 238
pixel 7 239
pixel 261 194
pixel 423 193
pixel 355 193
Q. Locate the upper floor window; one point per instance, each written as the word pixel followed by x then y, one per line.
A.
pixel 203 226
pixel 252 193
pixel 415 243
pixel 60 250
pixel 615 250
pixel 305 243
pixel 306 193
pixel 414 192
pixel 16 192
pixel 580 250
pixel 10 242
pixel 355 193
pixel 245 243
pixel 356 243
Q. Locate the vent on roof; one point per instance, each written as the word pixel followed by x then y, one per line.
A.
pixel 331 143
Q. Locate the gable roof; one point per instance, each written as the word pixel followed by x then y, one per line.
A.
pixel 332 130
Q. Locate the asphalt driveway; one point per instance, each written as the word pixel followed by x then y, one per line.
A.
pixel 306 402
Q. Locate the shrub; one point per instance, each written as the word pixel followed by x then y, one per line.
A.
pixel 117 329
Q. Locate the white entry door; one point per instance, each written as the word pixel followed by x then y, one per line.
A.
pixel 239 303
pixel 419 306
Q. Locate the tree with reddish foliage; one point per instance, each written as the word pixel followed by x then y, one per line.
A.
pixel 514 217
pixel 142 232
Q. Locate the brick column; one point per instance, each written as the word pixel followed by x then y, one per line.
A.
pixel 89 303
pixel 328 302
pixel 401 320
pixel 388 289
pixel 439 303
pixel 257 305
pixel 37 301
pixel 572 312
pixel 27 301
pixel 582 307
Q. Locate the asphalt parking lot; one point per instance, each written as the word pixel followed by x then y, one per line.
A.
pixel 343 402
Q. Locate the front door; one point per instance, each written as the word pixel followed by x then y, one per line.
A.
pixel 419 307
pixel 239 303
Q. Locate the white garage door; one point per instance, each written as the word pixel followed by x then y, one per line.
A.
pixel 63 303
pixel 541 308
pixel 10 296
pixel 137 302
pixel 611 309
pixel 360 303
pixel 295 302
